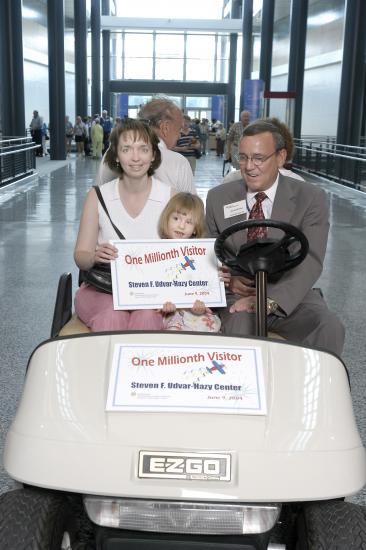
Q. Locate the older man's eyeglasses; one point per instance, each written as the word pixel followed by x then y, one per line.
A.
pixel 257 160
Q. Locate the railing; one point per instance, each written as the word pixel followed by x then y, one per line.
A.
pixel 17 159
pixel 321 155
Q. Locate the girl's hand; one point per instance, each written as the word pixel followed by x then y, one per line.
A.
pixel 168 308
pixel 225 275
pixel 199 308
pixel 105 252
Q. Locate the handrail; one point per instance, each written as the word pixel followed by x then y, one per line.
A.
pixel 13 151
pixel 299 140
pixel 17 159
pixel 342 163
pixel 333 154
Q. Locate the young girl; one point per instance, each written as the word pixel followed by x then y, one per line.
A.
pixel 183 218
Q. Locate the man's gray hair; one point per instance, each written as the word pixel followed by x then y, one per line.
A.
pixel 158 109
pixel 260 127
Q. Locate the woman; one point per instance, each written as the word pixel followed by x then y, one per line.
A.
pixel 134 201
pixel 79 134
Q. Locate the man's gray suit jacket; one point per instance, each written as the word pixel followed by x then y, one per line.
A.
pixel 299 203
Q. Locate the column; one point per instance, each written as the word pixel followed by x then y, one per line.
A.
pixel 95 32
pixel 298 24
pixel 106 102
pixel 56 78
pixel 247 48
pixel 11 69
pixel 265 63
pixel 81 75
pixel 232 67
pixel 352 91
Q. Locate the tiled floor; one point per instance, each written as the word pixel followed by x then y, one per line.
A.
pixel 38 226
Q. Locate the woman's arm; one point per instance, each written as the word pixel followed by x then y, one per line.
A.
pixel 87 251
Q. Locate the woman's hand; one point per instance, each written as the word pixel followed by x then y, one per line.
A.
pixel 168 308
pixel 224 275
pixel 241 285
pixel 105 252
pixel 199 308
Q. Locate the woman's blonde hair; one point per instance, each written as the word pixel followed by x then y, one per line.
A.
pixel 184 203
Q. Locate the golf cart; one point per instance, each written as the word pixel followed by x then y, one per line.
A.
pixel 246 443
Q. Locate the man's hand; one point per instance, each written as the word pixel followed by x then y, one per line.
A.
pixel 242 286
pixel 225 275
pixel 244 304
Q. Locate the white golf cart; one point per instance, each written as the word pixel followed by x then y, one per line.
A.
pixel 252 446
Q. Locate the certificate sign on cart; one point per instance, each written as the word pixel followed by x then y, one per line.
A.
pixel 149 273
pixel 187 379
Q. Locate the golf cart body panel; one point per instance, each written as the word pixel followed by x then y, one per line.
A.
pixel 306 446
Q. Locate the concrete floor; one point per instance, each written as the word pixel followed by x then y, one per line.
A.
pixel 38 226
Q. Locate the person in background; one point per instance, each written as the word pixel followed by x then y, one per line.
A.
pixel 165 119
pixel 220 139
pixel 234 137
pixel 295 310
pixel 45 138
pixel 79 135
pixel 69 132
pixel 87 138
pixel 188 143
pixel 107 125
pixel 97 139
pixel 134 200
pixel 204 130
pixel 36 132
pixel 184 218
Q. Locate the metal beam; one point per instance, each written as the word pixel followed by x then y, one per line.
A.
pixel 175 87
pixel 207 25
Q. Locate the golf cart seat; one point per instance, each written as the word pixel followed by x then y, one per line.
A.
pixel 74 326
pixel 67 323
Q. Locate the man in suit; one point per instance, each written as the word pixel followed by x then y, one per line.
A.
pixel 295 310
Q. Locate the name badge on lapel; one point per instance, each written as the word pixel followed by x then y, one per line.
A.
pixel 235 209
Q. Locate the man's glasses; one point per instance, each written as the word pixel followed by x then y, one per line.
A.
pixel 257 160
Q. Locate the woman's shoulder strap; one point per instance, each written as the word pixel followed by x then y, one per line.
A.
pixel 101 200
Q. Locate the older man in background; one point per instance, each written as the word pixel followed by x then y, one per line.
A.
pixel 234 137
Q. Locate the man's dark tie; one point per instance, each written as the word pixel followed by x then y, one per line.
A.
pixel 256 213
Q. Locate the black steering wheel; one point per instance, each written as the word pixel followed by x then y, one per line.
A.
pixel 270 255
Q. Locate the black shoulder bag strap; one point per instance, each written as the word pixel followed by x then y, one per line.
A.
pixel 101 200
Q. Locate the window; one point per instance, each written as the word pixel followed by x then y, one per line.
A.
pixel 201 53
pixel 138 53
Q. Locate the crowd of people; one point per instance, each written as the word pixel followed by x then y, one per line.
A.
pixel 147 192
pixel 91 136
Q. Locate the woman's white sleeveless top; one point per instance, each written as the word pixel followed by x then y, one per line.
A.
pixel 144 226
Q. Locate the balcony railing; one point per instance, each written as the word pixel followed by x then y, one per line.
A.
pixel 17 159
pixel 345 164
